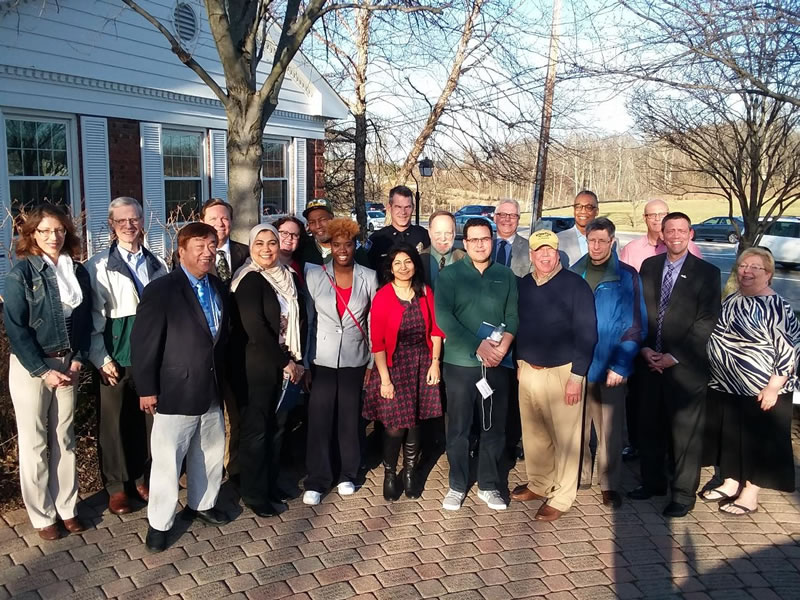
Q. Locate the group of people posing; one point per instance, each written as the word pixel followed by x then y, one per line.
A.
pixel 552 340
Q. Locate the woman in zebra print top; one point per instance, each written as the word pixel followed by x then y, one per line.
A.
pixel 753 357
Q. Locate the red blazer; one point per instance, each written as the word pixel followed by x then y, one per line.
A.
pixel 387 313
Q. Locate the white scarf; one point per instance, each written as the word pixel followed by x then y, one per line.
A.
pixel 281 280
pixel 69 290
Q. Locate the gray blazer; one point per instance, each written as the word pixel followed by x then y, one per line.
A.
pixel 520 255
pixel 335 342
pixel 568 245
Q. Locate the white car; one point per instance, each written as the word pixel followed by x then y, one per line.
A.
pixel 375 219
pixel 782 238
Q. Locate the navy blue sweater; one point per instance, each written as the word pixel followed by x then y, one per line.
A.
pixel 557 323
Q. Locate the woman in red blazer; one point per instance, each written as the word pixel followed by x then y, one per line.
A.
pixel 407 347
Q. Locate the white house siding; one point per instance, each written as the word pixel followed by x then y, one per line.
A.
pixel 89 60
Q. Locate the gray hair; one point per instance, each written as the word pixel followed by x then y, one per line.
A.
pixel 124 201
pixel 509 201
pixel 601 224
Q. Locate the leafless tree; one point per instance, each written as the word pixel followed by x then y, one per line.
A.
pixel 245 33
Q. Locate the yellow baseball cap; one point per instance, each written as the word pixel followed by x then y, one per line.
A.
pixel 543 237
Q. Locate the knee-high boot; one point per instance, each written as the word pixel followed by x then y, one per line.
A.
pixel 391 450
pixel 410 460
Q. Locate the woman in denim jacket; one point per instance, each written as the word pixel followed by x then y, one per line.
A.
pixel 48 321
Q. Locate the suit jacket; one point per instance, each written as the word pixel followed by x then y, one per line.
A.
pixel 520 255
pixel 568 246
pixel 337 342
pixel 425 255
pixel 692 312
pixel 255 355
pixel 173 353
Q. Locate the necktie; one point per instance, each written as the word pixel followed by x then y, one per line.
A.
pixel 204 297
pixel 666 292
pixel 223 268
pixel 502 252
pixel 441 263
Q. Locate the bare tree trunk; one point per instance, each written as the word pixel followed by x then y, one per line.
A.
pixel 436 112
pixel 244 168
pixel 359 108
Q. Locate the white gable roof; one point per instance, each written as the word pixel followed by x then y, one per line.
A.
pixel 99 57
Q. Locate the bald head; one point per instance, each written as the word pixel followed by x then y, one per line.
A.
pixel 654 213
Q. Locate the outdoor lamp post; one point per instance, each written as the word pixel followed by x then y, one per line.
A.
pixel 426 170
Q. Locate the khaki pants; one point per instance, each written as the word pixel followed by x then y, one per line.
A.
pixel 231 411
pixel 551 434
pixel 44 421
pixel 605 407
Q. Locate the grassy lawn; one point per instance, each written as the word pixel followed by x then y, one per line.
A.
pixel 622 213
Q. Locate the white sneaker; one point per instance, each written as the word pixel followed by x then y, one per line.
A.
pixel 311 497
pixel 346 488
pixel 493 499
pixel 453 500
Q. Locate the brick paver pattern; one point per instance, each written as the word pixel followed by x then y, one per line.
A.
pixel 362 546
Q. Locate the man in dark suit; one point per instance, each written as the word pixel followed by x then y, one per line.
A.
pixel 441 253
pixel 682 295
pixel 509 248
pixel 177 347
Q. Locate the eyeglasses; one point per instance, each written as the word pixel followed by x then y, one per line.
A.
pixel 584 207
pixel 121 222
pixel 599 242
pixel 754 268
pixel 479 241
pixel 655 216
pixel 289 235
pixel 46 233
pixel 501 215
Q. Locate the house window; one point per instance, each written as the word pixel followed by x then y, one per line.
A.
pixel 39 167
pixel 183 174
pixel 274 178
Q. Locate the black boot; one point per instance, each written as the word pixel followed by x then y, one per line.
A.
pixel 410 460
pixel 391 450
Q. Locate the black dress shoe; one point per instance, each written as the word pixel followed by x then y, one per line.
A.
pixel 212 516
pixel 643 493
pixel 262 510
pixel 611 498
pixel 677 510
pixel 156 540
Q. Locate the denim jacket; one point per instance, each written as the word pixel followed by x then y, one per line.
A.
pixel 34 317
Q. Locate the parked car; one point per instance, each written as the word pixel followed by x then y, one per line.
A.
pixel 782 238
pixel 461 220
pixel 379 206
pixel 719 229
pixel 375 219
pixel 555 224
pixel 476 210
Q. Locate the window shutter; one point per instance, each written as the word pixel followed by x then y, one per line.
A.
pixel 153 188
pixel 300 160
pixel 6 251
pixel 96 181
pixel 219 164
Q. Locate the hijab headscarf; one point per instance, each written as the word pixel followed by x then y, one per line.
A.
pixel 280 278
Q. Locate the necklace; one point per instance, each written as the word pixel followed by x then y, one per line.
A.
pixel 404 293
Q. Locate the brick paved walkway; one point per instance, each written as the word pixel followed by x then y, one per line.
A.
pixel 360 546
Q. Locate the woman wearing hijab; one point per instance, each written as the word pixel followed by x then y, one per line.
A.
pixel 48 320
pixel 265 352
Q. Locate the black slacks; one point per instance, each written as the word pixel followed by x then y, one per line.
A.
pixel 672 427
pixel 462 399
pixel 124 434
pixel 260 441
pixel 334 413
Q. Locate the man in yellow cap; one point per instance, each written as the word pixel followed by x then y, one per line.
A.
pixel 555 343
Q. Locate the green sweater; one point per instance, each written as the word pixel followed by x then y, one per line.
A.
pixel 465 298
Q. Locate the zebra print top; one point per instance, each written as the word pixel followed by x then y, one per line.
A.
pixel 754 338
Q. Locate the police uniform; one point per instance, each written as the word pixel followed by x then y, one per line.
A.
pixel 383 240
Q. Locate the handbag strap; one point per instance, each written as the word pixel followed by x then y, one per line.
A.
pixel 347 308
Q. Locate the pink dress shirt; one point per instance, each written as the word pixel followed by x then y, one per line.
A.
pixel 637 250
